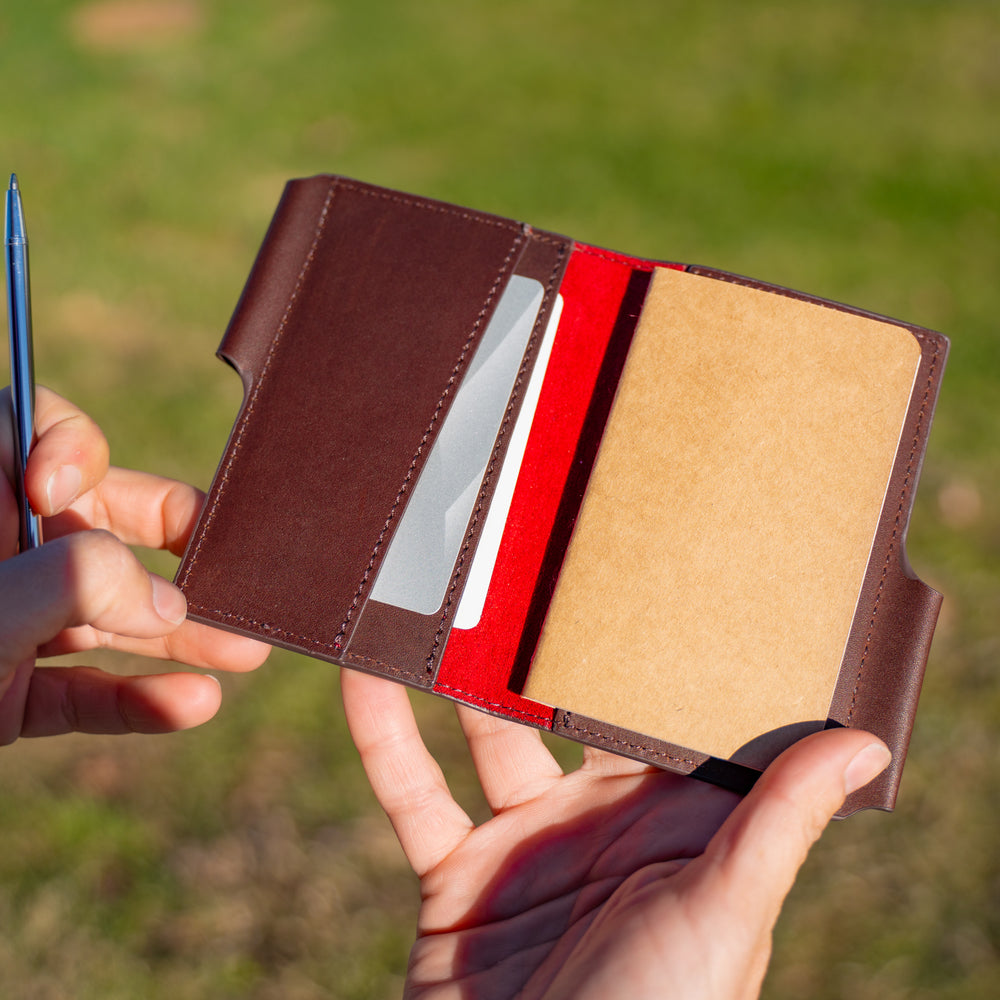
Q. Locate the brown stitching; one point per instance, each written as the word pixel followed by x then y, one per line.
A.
pixel 273 630
pixel 493 704
pixel 251 623
pixel 555 241
pixel 632 263
pixel 430 205
pixel 371 661
pixel 515 394
pixel 605 738
pixel 403 489
pixel 788 293
pixel 224 481
pixel 918 432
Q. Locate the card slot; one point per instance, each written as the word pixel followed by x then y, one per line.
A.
pixel 407 418
pixel 418 562
pixel 342 409
pixel 412 632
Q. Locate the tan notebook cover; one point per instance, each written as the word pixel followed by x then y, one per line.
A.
pixel 729 517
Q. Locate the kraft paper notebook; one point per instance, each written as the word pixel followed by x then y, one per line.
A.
pixel 656 508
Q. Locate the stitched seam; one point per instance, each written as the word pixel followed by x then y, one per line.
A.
pixel 261 626
pixel 404 488
pixel 272 630
pixel 484 489
pixel 632 263
pixel 555 241
pixel 237 444
pixel 371 661
pixel 444 208
pixel 896 528
pixel 626 744
pixel 788 293
pixel 430 206
pixel 480 700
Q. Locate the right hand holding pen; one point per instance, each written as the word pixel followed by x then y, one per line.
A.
pixel 84 589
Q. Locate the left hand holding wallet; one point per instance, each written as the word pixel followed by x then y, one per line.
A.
pixel 614 880
pixel 84 589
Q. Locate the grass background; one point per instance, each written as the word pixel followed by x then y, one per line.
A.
pixel 847 148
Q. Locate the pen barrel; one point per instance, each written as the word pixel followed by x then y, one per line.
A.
pixel 22 379
pixel 19 325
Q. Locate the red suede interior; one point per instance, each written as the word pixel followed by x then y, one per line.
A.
pixel 476 667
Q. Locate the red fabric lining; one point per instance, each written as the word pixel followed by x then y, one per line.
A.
pixel 477 662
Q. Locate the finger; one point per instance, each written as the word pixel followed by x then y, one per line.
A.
pixel 14 687
pixel 512 762
pixel 88 578
pixel 8 518
pixel 792 803
pixel 405 778
pixel 140 508
pixel 603 763
pixel 195 644
pixel 69 457
pixel 86 700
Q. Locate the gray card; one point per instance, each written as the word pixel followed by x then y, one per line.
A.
pixel 421 556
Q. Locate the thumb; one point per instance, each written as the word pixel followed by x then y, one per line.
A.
pixel 768 835
pixel 752 862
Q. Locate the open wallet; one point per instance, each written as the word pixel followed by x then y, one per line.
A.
pixel 656 508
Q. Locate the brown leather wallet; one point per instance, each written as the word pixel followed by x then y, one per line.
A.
pixel 656 508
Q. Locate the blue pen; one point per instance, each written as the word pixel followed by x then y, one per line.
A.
pixel 22 368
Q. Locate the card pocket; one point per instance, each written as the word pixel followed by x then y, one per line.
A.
pixel 350 348
pixel 404 615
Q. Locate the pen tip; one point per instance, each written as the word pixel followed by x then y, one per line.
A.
pixel 13 182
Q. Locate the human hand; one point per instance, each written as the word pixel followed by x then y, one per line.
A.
pixel 615 880
pixel 84 589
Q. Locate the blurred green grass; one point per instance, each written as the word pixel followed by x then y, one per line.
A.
pixel 849 149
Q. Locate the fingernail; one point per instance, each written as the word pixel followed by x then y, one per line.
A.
pixel 865 765
pixel 169 601
pixel 63 487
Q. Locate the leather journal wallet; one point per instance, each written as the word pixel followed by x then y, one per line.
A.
pixel 655 508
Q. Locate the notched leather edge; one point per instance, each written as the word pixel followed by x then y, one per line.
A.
pixel 257 320
pixel 278 266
